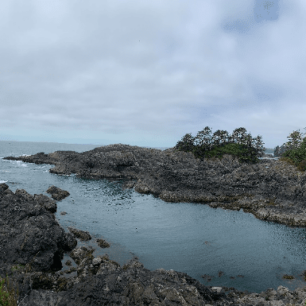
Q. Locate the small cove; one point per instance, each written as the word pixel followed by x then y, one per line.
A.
pixel 193 238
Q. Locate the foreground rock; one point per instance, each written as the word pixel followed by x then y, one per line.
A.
pixel 272 190
pixel 29 233
pixel 58 193
pixel 101 281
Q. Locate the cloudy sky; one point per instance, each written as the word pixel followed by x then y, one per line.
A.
pixel 146 72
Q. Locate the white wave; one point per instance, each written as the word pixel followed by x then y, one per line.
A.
pixel 25 155
pixel 1 182
pixel 21 163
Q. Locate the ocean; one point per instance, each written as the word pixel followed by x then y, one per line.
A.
pixel 193 238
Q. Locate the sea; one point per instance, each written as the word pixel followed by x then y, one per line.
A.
pixel 215 246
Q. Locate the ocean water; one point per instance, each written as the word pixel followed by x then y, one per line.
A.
pixel 192 238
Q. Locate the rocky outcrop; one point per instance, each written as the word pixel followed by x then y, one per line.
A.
pixel 271 189
pixel 102 243
pixel 29 233
pixel 82 235
pixel 57 193
pixel 101 281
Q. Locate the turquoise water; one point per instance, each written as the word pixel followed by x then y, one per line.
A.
pixel 186 237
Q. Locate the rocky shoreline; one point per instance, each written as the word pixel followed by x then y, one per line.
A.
pixel 271 190
pixel 32 247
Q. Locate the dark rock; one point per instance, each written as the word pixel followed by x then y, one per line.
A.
pixel 102 243
pixel 78 254
pixel 272 190
pixel 100 281
pixel 3 187
pixel 46 202
pixel 57 193
pixel 68 263
pixel 71 242
pixel 207 277
pixel 286 276
pixel 82 235
pixel 29 233
pixel 63 213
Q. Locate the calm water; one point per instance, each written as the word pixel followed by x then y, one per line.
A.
pixel 186 237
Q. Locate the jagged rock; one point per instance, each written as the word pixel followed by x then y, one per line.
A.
pixel 57 193
pixel 272 189
pixel 78 254
pixel 46 202
pixel 101 281
pixel 29 233
pixel 102 243
pixel 82 235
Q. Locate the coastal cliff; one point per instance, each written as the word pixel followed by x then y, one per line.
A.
pixel 272 190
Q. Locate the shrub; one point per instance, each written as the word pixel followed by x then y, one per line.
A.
pixel 8 294
pixel 208 144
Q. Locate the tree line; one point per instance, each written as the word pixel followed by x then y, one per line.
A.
pixel 207 144
pixel 294 150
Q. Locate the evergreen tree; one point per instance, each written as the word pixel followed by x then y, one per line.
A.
pixel 207 144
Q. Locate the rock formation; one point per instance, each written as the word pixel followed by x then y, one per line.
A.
pixel 272 190
pixel 29 233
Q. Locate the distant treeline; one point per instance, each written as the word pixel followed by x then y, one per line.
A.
pixel 294 150
pixel 207 144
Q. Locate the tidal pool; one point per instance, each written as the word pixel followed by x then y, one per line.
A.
pixel 192 238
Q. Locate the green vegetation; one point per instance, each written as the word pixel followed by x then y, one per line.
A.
pixel 8 295
pixel 209 145
pixel 17 267
pixel 294 150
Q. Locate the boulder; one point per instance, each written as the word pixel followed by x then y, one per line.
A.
pixel 29 233
pixel 57 193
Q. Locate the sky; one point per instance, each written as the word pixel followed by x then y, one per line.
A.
pixel 146 72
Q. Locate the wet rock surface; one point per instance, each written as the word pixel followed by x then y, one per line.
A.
pixel 57 193
pixel 82 235
pixel 272 190
pixel 103 243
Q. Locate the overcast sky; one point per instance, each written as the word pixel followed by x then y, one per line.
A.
pixel 146 72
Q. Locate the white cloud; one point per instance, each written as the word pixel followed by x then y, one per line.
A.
pixel 135 71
